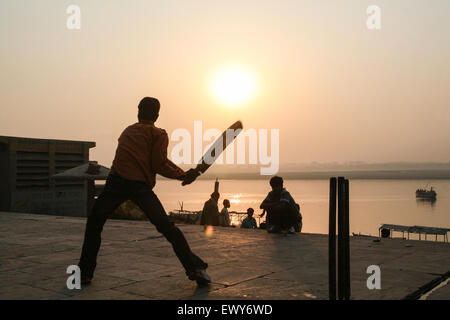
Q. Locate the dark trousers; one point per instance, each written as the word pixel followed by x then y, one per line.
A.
pixel 116 191
pixel 281 216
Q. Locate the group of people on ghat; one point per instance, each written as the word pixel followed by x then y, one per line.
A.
pixel 283 213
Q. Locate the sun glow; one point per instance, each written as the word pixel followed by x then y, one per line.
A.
pixel 233 85
pixel 236 199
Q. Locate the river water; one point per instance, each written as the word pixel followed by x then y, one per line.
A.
pixel 372 202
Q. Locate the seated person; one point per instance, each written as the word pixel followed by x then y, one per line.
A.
pixel 249 222
pixel 282 212
pixel 224 217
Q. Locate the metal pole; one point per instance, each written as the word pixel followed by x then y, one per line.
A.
pixel 341 254
pixel 332 241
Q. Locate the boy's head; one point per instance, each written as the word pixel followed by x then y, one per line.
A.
pixel 226 203
pixel 277 184
pixel 250 212
pixel 148 109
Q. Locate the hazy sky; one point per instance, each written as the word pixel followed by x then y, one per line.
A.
pixel 336 90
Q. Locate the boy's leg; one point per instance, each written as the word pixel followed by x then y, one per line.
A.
pixel 284 220
pixel 147 200
pixel 276 219
pixel 106 203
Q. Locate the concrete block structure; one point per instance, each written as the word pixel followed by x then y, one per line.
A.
pixel 26 169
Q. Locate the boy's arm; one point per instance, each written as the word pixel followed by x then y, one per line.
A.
pixel 263 213
pixel 268 203
pixel 160 163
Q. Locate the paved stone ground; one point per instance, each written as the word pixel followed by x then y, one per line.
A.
pixel 441 293
pixel 136 262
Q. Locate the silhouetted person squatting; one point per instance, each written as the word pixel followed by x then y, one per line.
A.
pixel 282 212
pixel 210 212
pixel 249 222
pixel 141 154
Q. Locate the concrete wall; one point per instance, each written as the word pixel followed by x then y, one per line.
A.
pixel 27 166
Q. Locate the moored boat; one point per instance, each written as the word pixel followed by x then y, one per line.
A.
pixel 426 194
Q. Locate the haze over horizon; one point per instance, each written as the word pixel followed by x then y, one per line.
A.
pixel 355 170
pixel 337 91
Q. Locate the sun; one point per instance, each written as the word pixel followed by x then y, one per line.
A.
pixel 233 85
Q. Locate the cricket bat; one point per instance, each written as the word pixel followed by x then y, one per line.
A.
pixel 219 145
pixel 215 150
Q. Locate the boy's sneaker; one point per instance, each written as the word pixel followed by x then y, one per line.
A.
pixel 292 230
pixel 274 229
pixel 200 276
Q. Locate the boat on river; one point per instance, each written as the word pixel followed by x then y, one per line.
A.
pixel 426 194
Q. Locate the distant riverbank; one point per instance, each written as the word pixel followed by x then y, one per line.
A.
pixel 354 174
